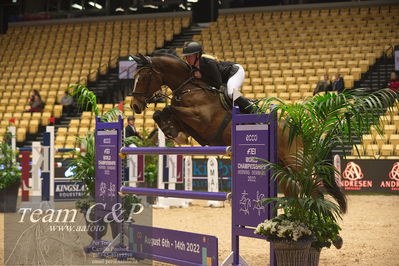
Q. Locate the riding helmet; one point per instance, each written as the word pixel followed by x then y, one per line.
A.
pixel 192 48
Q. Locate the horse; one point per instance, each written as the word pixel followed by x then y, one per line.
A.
pixel 196 109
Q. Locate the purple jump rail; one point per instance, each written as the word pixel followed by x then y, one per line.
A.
pixel 61 150
pixel 202 195
pixel 214 150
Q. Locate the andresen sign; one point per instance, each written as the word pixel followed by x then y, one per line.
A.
pixel 381 176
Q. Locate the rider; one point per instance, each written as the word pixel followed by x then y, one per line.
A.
pixel 217 74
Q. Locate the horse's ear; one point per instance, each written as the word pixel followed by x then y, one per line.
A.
pixel 172 51
pixel 137 59
pixel 144 59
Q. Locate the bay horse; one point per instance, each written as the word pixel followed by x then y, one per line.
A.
pixel 196 109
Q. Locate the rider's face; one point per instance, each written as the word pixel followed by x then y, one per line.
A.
pixel 191 58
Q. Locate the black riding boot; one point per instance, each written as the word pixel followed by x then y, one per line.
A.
pixel 245 105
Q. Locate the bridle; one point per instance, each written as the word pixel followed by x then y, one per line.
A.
pixel 147 98
pixel 158 96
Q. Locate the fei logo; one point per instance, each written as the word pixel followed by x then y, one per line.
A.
pixel 353 178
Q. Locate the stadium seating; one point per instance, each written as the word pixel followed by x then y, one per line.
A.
pixel 50 58
pixel 284 54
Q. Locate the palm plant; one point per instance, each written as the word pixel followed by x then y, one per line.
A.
pixel 83 164
pixel 322 123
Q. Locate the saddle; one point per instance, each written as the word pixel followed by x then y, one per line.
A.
pixel 224 98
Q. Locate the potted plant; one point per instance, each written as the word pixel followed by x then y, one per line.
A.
pixel 293 232
pixel 10 176
pixel 317 126
pixel 83 164
pixel 290 238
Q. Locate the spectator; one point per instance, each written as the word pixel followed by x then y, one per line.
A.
pixel 393 84
pixel 67 103
pixel 323 85
pixel 35 102
pixel 338 84
pixel 130 129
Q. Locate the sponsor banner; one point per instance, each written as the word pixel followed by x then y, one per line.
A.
pixel 68 190
pixel 65 188
pixel 172 246
pixel 381 176
pixel 200 174
pixel 200 168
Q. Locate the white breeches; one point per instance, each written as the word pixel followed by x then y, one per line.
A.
pixel 236 81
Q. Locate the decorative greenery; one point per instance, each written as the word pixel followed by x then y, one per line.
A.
pixel 86 99
pixel 83 164
pixel 84 203
pixel 326 121
pixel 10 172
pixel 283 227
pixel 127 203
pixel 326 232
pixel 321 123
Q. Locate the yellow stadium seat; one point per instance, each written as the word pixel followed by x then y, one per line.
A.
pixel 307 94
pixel 293 88
pixel 394 139
pixel 258 89
pixel 387 150
pixel 33 126
pixel 379 140
pixel 267 81
pixel 389 129
pixel 62 131
pixel 372 149
pixel 270 88
pixel 358 150
pixel 278 81
pixel 298 72
pixel 355 72
pixel 349 81
pixel 295 96
pixel 256 81
pixel 305 88
pixel 310 72
pixel 21 134
pixel 276 73
pixel 344 71
pixel 290 80
pixel 368 139
pixel 301 80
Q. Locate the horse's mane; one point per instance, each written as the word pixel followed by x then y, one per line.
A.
pixel 165 52
pixel 171 53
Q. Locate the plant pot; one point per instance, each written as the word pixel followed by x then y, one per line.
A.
pixel 291 253
pixel 314 257
pixel 9 197
pixel 92 226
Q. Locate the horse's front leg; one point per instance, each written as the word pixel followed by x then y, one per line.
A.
pixel 169 126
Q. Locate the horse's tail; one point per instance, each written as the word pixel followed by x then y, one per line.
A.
pixel 336 192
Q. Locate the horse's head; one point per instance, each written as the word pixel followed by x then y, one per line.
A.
pixel 147 81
